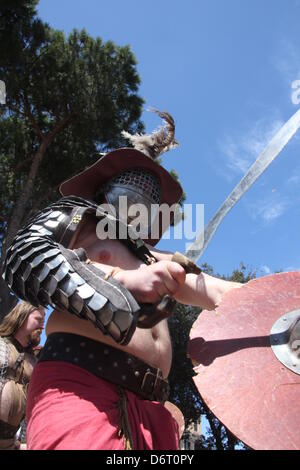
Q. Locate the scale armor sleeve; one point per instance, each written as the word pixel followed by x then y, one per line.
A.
pixel 39 269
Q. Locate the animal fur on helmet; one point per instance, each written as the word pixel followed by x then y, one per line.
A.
pixel 160 141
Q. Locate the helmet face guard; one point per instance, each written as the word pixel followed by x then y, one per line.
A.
pixel 135 196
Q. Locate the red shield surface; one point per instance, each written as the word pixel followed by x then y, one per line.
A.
pixel 238 375
pixel 177 415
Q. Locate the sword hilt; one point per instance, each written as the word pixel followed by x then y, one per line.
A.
pixel 151 314
pixel 186 263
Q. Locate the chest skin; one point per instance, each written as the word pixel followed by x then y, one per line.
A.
pixel 113 253
pixel 151 345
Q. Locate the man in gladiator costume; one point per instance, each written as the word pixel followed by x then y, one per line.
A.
pixel 101 380
pixel 20 332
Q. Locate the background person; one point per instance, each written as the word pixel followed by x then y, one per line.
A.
pixel 20 332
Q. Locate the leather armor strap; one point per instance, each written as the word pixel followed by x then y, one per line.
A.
pixel 42 271
pixel 109 363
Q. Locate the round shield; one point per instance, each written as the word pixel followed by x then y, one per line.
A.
pixel 244 378
pixel 177 415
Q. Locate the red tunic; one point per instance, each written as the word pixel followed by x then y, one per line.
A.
pixel 68 408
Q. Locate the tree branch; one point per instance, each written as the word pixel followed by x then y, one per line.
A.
pixel 215 429
pixel 21 164
pixel 19 209
pixel 20 205
pixel 37 204
pixel 232 440
pixel 60 126
pixel 30 116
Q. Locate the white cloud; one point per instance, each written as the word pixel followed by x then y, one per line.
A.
pixel 236 160
pixel 241 151
pixel 272 212
pixel 265 269
pixel 269 209
pixel 287 61
pixel 294 179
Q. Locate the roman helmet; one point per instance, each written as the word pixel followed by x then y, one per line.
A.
pixel 133 173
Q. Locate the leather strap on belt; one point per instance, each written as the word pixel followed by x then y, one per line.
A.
pixel 109 363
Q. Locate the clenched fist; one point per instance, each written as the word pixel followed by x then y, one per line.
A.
pixel 148 284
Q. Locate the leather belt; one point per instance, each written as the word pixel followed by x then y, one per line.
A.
pixel 107 362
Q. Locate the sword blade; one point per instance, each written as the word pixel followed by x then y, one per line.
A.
pixel 273 149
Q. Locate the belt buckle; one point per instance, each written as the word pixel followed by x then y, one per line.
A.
pixel 151 385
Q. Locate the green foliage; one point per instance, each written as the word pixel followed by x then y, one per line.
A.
pixel 67 99
pixel 75 93
pixel 183 391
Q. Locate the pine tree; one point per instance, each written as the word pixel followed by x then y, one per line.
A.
pixel 68 98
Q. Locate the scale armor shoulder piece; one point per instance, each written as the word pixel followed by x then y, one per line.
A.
pixel 40 269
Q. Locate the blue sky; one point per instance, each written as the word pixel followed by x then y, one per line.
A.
pixel 224 70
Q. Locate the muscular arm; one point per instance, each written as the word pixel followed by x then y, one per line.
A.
pixel 199 290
